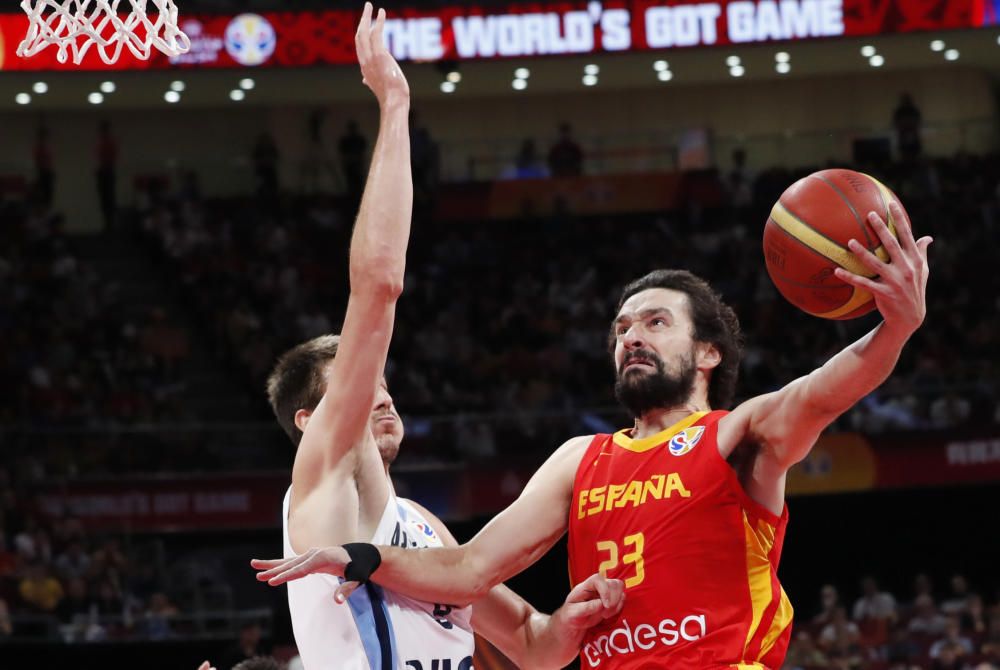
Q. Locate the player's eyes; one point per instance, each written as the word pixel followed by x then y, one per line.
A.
pixel 658 322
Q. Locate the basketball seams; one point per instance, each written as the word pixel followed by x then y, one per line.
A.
pixel 850 205
pixel 842 256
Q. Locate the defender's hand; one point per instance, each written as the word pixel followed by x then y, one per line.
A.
pixel 331 561
pixel 901 285
pixel 380 71
pixel 590 602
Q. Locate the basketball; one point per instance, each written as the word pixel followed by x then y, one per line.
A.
pixel 806 236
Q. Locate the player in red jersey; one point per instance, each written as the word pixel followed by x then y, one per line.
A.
pixel 688 506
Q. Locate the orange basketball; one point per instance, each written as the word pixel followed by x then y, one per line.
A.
pixel 806 238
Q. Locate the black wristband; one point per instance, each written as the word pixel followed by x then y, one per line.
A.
pixel 365 560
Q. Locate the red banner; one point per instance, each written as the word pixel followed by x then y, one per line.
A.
pixel 839 463
pixel 223 502
pixel 470 32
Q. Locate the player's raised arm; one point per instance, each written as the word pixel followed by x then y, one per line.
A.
pixel 377 259
pixel 787 423
pixel 512 541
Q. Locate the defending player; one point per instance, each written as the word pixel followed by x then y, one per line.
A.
pixel 330 397
pixel 687 506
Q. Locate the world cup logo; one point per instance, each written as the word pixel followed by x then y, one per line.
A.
pixel 250 39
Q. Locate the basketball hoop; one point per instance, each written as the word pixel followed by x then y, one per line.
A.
pixel 74 25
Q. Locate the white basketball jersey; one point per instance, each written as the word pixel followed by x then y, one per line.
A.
pixel 378 629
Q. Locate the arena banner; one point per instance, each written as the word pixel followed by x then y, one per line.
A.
pixel 167 504
pixel 839 463
pixel 470 31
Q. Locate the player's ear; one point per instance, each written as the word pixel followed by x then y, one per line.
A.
pixel 707 356
pixel 302 419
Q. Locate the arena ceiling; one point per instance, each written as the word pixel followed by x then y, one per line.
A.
pixel 976 49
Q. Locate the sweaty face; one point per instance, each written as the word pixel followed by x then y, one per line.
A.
pixel 386 426
pixel 654 351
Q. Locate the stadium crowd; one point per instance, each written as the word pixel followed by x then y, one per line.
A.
pixel 503 325
pixel 500 344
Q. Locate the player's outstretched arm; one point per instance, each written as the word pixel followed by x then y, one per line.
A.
pixel 528 637
pixel 539 641
pixel 786 423
pixel 377 260
pixel 508 544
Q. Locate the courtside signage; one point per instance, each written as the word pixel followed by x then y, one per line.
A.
pixel 472 32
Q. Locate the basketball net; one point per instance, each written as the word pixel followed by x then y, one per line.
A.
pixel 75 25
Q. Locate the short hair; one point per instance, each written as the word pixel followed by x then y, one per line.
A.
pixel 297 381
pixel 714 322
pixel 258 663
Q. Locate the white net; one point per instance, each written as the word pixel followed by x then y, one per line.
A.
pixel 75 25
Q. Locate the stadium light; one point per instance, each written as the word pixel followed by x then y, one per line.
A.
pixel 937 45
pixel 454 76
pixel 736 71
pixel 40 87
pixel 172 97
pixel 664 75
pixel 951 54
pixel 247 84
pixel 876 61
pixel 177 86
pixel 108 87
pixel 522 73
pixel 447 87
pixel 733 61
pixel 237 94
pixel 95 98
pixel 591 69
pixel 783 68
pixel 590 80
pixel 867 51
pixel 519 84
pixel 660 65
pixel 782 57
pixel 22 98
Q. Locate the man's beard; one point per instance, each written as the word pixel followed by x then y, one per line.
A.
pixel 640 391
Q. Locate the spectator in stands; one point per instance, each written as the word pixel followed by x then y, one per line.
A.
pixel 991 643
pixel 424 161
pixel 565 156
pixel 527 164
pixel 265 165
pixel 249 645
pixel 840 635
pixel 948 657
pixel 45 174
pixel 902 651
pixel 353 149
pixel 974 618
pixel 39 589
pixel 803 653
pixel 74 562
pixel 907 121
pixel 949 410
pixel 926 619
pixel 953 639
pixel 958 600
pixel 873 603
pixel 107 175
pixel 739 182
pixel 76 606
pixel 158 617
pixel 829 602
pixel 6 627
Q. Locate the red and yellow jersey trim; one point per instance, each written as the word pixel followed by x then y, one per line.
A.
pixel 772 611
pixel 640 445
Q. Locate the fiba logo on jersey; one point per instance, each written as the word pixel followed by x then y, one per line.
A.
pixel 250 39
pixel 685 441
pixel 425 529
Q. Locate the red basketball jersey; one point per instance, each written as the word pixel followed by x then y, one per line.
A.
pixel 699 557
